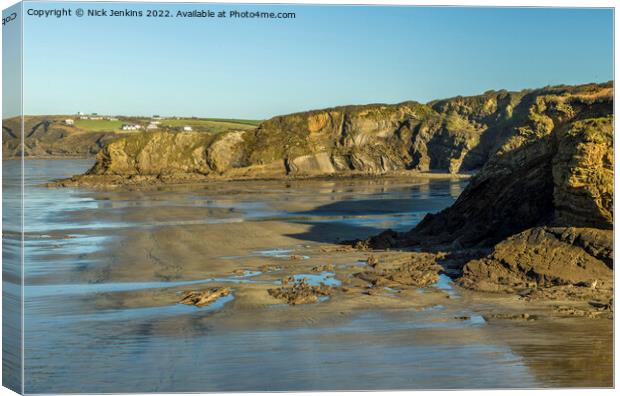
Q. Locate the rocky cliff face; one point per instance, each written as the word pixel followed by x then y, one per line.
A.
pixel 452 135
pixel 556 169
pixel 537 216
pixel 46 137
pixel 155 153
pixel 542 204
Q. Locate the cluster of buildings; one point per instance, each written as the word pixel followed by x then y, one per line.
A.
pixel 92 116
pixel 130 127
pixel 95 116
pixel 153 124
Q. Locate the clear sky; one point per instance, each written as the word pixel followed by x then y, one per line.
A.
pixel 326 56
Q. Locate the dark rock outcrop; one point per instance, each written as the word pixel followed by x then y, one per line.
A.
pixel 543 205
pixel 557 169
pixel 543 257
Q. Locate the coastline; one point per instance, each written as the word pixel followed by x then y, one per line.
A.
pixel 51 157
pixel 151 247
pixel 120 181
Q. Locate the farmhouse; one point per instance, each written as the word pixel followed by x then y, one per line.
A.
pixel 130 127
pixel 68 121
pixel 152 125
pixel 187 128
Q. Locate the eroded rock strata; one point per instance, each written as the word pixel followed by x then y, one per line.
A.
pixel 454 135
pixel 536 219
pixel 539 215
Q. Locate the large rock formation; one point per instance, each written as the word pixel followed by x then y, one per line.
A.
pixel 538 214
pixel 557 169
pixel 544 257
pixel 542 204
pixel 155 153
pixel 452 135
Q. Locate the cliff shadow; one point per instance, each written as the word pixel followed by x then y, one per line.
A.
pixel 329 232
pixel 363 218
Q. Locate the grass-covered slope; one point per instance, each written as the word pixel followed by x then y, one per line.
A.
pixel 50 136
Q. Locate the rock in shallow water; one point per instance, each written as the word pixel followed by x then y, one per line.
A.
pixel 416 270
pixel 204 297
pixel 300 292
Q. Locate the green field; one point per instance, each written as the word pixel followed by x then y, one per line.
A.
pixel 212 125
pixel 99 125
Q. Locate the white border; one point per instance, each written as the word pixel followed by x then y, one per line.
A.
pixel 484 3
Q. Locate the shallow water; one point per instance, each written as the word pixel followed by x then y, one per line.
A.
pixel 70 232
pixel 325 277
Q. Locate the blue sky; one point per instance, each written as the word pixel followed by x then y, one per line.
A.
pixel 327 56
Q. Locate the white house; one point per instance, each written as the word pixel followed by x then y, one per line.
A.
pixel 130 127
pixel 187 128
pixel 152 125
pixel 68 121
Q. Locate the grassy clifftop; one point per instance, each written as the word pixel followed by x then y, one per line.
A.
pixel 50 136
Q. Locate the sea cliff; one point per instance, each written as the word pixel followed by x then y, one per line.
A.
pixel 538 218
pixel 454 135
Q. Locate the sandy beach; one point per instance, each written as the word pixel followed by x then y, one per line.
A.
pixel 109 267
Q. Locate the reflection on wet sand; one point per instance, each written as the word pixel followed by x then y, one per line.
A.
pixel 106 270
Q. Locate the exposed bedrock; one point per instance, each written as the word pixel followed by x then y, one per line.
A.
pixel 556 171
pixel 544 257
pixel 453 135
pixel 537 214
pixel 542 205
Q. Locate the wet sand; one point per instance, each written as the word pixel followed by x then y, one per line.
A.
pixel 106 269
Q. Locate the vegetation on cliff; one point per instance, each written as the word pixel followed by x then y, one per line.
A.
pixel 50 137
pixel 54 137
pixel 460 134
